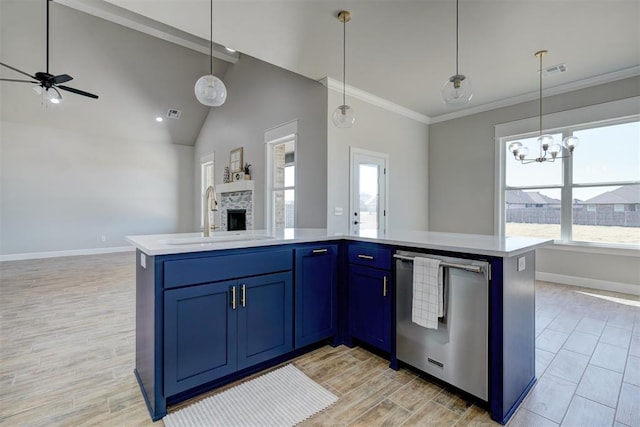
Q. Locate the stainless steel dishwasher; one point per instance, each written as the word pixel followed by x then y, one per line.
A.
pixel 456 352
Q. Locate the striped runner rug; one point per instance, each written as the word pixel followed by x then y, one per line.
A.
pixel 283 397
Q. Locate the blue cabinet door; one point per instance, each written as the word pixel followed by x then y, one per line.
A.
pixel 200 330
pixel 369 306
pixel 316 289
pixel 265 318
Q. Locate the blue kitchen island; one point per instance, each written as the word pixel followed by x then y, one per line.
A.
pixel 211 310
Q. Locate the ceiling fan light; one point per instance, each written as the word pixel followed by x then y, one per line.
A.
pixel 210 91
pixel 37 90
pixel 343 116
pixel 53 96
pixel 457 90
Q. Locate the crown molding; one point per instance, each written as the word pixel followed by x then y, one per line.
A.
pixel 126 18
pixel 369 98
pixel 556 90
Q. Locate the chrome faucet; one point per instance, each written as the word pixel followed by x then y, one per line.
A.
pixel 210 205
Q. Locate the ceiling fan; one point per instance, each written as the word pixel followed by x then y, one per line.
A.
pixel 48 84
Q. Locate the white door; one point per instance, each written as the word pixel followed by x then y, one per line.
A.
pixel 368 196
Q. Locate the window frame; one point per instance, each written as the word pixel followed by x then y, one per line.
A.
pixel 565 122
pixel 287 132
pixel 206 160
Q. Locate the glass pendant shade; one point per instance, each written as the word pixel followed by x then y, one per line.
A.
pixel 522 153
pixel 571 142
pixel 514 147
pixel 343 116
pixel 554 149
pixel 457 90
pixel 210 91
pixel 53 96
pixel 545 140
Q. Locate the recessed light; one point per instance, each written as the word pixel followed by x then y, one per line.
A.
pixel 230 50
pixel 159 119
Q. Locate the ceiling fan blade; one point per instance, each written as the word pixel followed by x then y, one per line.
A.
pixel 77 91
pixel 62 78
pixel 19 81
pixel 16 70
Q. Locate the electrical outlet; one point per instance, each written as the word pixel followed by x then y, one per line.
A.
pixel 337 211
pixel 103 238
pixel 522 263
pixel 143 260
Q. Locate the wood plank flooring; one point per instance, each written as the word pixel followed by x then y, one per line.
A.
pixel 67 345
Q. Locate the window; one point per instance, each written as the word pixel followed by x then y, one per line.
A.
pixel 281 176
pixel 206 180
pixel 588 197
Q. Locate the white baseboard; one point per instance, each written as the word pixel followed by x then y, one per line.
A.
pixel 73 252
pixel 605 285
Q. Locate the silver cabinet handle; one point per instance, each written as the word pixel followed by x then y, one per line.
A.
pixel 233 297
pixel 320 251
pixel 369 257
pixel 384 286
pixel 243 298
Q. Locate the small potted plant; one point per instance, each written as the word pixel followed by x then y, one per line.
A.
pixel 247 171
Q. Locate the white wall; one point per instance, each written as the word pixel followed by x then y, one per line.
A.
pixel 260 97
pixel 462 180
pixel 85 168
pixel 63 190
pixel 403 139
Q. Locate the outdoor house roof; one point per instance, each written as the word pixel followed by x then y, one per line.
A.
pixel 623 195
pixel 520 197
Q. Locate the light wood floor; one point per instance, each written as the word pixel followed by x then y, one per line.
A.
pixel 67 356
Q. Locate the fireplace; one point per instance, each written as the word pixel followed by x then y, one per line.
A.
pixel 237 198
pixel 236 219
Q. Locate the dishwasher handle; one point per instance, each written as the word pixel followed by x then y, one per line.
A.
pixel 468 267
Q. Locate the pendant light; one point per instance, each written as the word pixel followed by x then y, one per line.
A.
pixel 344 116
pixel 548 149
pixel 209 89
pixel 457 90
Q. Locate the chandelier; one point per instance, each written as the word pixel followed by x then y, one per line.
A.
pixel 548 150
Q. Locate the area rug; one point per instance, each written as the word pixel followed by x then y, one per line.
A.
pixel 283 397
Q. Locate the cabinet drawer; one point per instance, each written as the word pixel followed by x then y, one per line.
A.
pixel 222 266
pixel 370 255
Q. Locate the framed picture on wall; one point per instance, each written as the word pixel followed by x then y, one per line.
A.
pixel 235 160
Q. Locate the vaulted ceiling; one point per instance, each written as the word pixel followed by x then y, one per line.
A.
pixel 404 50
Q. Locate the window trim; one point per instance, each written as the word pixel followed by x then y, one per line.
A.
pixel 565 122
pixel 204 160
pixel 274 136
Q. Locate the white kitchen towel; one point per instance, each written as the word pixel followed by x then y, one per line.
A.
pixel 427 304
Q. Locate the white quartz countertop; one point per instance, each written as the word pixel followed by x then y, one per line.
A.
pixel 166 244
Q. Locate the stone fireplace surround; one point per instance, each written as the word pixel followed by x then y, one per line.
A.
pixel 235 195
